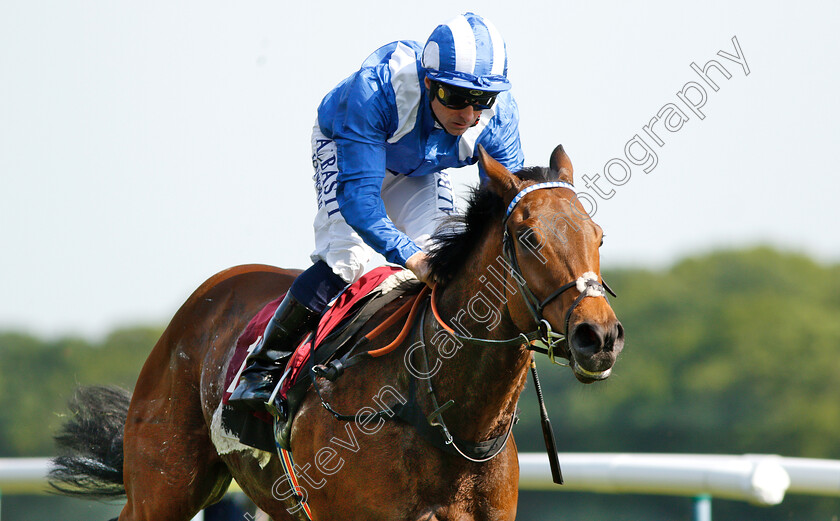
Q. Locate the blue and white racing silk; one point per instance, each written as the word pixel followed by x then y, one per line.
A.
pixel 380 119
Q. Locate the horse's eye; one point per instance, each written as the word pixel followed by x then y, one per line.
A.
pixel 529 237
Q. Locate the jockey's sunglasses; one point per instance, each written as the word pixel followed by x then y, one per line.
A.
pixel 456 99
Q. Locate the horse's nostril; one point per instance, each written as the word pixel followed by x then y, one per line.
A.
pixel 586 339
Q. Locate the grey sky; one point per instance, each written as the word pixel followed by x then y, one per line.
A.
pixel 144 147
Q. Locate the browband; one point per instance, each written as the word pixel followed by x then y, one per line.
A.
pixel 538 186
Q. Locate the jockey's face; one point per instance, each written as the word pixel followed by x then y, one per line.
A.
pixel 455 122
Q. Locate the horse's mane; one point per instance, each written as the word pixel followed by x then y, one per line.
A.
pixel 460 234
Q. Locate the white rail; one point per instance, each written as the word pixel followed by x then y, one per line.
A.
pixel 23 475
pixel 756 478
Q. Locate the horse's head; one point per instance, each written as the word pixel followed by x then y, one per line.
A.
pixel 553 244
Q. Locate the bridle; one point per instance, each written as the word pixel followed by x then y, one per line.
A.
pixel 587 284
pixel 543 339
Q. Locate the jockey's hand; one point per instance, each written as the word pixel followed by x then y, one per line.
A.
pixel 419 265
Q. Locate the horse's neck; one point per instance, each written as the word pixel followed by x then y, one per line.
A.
pixel 485 382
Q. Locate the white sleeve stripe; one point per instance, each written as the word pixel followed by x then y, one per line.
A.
pixel 406 85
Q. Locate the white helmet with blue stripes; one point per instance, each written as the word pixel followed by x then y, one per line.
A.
pixel 467 51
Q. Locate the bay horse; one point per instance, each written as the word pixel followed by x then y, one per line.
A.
pixel 160 449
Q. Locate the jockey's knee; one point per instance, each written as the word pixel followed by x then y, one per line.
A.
pixel 317 286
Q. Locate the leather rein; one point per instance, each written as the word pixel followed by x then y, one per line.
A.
pixel 543 340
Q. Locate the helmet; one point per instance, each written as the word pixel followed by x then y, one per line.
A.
pixel 467 51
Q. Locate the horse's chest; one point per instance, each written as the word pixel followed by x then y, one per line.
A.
pixel 468 497
pixel 465 513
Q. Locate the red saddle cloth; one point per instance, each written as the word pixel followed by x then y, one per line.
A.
pixel 333 316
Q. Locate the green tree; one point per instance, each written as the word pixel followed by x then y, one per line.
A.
pixel 37 377
pixel 731 352
pixel 728 352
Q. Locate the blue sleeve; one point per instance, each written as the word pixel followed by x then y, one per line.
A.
pixel 360 123
pixel 501 137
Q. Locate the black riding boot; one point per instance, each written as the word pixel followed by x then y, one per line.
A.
pixel 287 327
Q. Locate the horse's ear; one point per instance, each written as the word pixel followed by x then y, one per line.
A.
pixel 561 163
pixel 501 180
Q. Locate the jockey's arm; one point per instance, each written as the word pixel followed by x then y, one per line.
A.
pixel 362 122
pixel 360 202
pixel 364 211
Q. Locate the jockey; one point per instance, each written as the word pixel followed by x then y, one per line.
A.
pixel 380 144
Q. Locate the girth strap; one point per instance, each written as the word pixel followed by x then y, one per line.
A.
pixel 411 413
pixel 431 427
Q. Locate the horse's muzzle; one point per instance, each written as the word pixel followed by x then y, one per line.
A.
pixel 594 348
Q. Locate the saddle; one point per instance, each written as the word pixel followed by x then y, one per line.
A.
pixel 331 340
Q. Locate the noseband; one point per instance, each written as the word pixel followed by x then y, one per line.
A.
pixel 544 339
pixel 587 284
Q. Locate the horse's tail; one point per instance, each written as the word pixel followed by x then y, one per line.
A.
pixel 90 444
